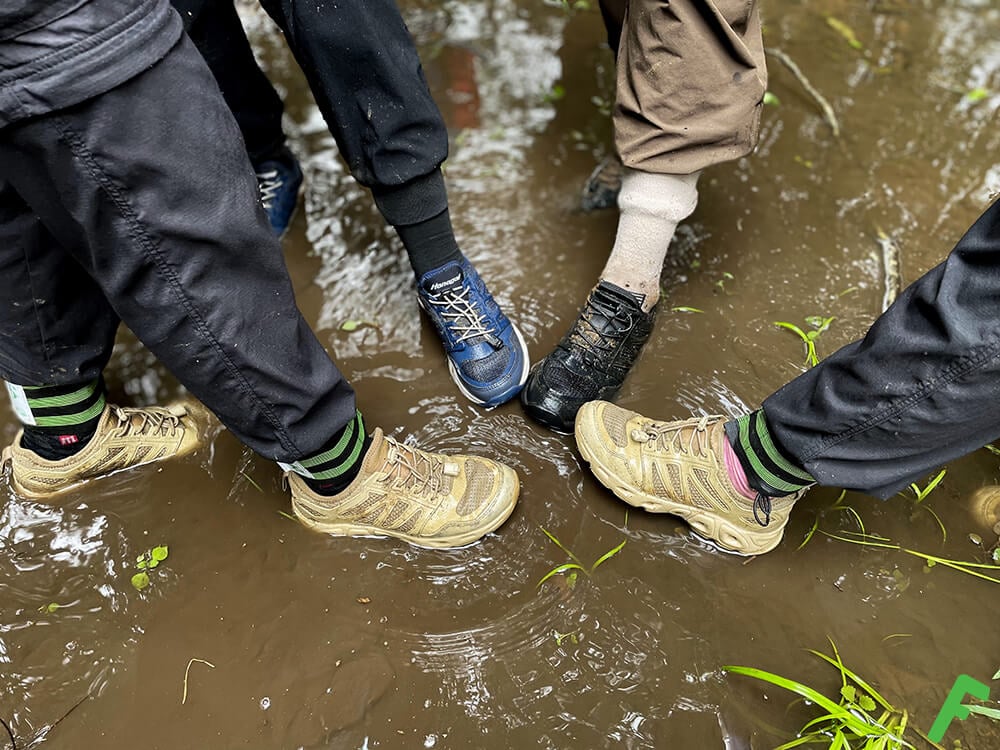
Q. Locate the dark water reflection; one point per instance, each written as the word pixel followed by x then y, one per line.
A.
pixel 322 643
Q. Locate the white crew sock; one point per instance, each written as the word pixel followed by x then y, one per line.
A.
pixel 651 206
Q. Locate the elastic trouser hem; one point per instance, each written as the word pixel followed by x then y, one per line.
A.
pixel 413 202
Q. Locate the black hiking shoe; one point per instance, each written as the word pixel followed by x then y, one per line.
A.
pixel 591 361
pixel 602 187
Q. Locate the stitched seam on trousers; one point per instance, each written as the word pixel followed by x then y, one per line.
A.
pixel 949 375
pixel 38 318
pixel 143 240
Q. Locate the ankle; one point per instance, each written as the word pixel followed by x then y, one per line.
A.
pixel 766 467
pixel 337 464
pixel 58 420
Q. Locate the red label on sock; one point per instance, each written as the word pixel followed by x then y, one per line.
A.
pixel 68 439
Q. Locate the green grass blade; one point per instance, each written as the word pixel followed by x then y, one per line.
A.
pixel 809 534
pixel 607 555
pixel 836 711
pixel 557 570
pixel 944 531
pixel 855 679
pixel 561 546
pixel 992 713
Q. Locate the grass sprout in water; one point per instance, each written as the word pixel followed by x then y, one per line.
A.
pixel 819 324
pixel 922 494
pixel 859 717
pixel 576 566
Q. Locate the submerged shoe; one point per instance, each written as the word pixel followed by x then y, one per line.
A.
pixel 487 357
pixel 678 468
pixel 426 499
pixel 602 187
pixel 124 438
pixel 279 178
pixel 591 361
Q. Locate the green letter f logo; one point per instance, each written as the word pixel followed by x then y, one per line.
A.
pixel 953 708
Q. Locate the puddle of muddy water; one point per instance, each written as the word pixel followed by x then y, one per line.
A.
pixel 323 643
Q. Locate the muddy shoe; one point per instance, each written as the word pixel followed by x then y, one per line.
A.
pixel 677 468
pixel 487 357
pixel 591 361
pixel 423 498
pixel 602 187
pixel 124 438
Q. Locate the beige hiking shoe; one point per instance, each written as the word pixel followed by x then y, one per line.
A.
pixel 677 468
pixel 426 499
pixel 124 438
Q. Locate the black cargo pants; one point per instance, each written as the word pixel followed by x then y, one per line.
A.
pixel 920 389
pixel 363 69
pixel 140 206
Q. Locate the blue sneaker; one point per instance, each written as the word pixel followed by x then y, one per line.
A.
pixel 486 353
pixel 280 179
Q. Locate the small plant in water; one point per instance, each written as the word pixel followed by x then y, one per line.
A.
pixel 819 324
pixel 147 561
pixel 574 568
pixel 920 495
pixel 859 717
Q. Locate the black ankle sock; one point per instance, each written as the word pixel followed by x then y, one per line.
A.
pixel 65 417
pixel 338 462
pixel 769 469
pixel 430 244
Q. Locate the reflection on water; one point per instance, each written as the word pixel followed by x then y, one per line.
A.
pixel 332 643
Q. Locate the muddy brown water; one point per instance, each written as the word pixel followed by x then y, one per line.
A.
pixel 328 643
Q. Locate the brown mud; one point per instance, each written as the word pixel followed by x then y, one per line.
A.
pixel 328 643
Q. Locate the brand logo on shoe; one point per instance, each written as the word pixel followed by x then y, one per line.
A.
pixel 68 439
pixel 448 282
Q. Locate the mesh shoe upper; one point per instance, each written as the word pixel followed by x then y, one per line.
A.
pixel 592 360
pixel 678 468
pixel 427 499
pixel 486 354
pixel 124 438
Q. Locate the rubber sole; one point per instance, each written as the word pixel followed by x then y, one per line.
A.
pixel 726 535
pixel 451 542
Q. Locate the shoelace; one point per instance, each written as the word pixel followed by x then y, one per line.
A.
pixel 412 468
pixel 668 437
pixel 465 319
pixel 151 419
pixel 270 183
pixel 593 342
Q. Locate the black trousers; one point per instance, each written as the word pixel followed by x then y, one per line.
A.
pixel 920 389
pixel 141 206
pixel 364 72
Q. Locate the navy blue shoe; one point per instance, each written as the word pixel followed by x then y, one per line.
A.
pixel 486 353
pixel 280 179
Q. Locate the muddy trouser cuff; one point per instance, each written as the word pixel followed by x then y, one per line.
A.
pixel 690 85
pixel 920 389
pixel 141 203
pixel 418 200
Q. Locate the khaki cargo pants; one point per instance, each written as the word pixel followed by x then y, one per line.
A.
pixel 691 81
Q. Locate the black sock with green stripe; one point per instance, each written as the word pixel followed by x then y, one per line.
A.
pixel 338 462
pixel 58 420
pixel 769 470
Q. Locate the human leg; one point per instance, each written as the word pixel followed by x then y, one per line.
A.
pixel 920 389
pixel 690 85
pixel 391 134
pixel 215 28
pixel 187 260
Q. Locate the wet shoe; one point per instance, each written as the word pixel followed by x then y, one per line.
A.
pixel 591 361
pixel 487 357
pixel 124 438
pixel 602 187
pixel 279 178
pixel 426 499
pixel 678 468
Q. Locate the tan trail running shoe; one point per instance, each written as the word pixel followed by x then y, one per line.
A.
pixel 426 499
pixel 125 437
pixel 678 468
